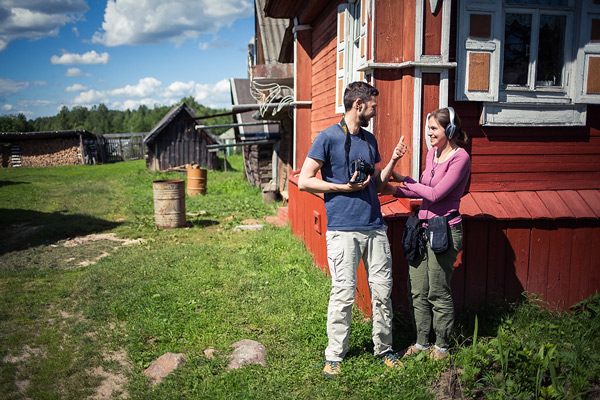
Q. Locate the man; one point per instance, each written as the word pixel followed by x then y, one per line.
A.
pixel 355 226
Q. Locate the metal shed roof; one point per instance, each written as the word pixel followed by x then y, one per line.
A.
pixel 46 134
pixel 272 32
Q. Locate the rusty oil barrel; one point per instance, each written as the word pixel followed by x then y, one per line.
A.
pixel 169 203
pixel 196 181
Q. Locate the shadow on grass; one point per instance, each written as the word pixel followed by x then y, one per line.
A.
pixel 489 317
pixel 22 229
pixel 202 223
pixel 9 183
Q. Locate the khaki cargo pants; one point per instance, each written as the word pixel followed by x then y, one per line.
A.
pixel 345 249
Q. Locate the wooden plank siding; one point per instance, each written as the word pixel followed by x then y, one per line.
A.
pixel 303 93
pixel 395 30
pixel 394 114
pixel 429 102
pixel 432 31
pixel 519 158
pixel 324 51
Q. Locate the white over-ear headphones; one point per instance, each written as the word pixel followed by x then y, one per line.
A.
pixel 451 128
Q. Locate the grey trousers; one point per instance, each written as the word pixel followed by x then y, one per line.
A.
pixel 345 249
pixel 429 292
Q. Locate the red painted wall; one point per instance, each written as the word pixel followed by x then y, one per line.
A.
pixel 550 158
pixel 323 72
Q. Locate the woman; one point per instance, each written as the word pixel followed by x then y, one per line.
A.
pixel 441 186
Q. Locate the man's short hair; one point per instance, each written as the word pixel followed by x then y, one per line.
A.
pixel 358 90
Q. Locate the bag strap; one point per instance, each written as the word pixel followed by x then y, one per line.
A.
pixel 452 215
pixel 449 217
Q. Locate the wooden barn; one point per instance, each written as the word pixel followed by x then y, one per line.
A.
pixel 48 148
pixel 524 78
pixel 175 142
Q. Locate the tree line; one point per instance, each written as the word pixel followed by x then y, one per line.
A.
pixel 100 120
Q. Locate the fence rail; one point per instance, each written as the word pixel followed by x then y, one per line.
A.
pixel 122 146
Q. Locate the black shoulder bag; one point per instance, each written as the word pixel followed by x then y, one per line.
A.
pixel 412 242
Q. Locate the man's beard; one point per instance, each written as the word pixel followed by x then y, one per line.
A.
pixel 362 120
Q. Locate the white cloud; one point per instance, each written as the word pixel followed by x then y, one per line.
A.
pixel 35 19
pixel 26 113
pixel 218 93
pixel 90 97
pixel 150 92
pixel 134 104
pixel 145 87
pixel 9 87
pixel 131 22
pixel 8 107
pixel 74 72
pixel 34 103
pixel 76 88
pixel 91 57
pixel 215 43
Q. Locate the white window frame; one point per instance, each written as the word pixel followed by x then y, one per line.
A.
pixel 530 105
pixel 355 36
pixel 530 92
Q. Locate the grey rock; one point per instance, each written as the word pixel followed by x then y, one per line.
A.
pixel 247 352
pixel 163 366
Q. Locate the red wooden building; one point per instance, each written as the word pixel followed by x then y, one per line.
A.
pixel 524 76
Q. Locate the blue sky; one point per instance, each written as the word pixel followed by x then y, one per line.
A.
pixel 122 53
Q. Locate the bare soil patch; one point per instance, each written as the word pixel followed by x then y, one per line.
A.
pixel 72 253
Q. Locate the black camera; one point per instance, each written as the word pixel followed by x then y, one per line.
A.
pixel 364 169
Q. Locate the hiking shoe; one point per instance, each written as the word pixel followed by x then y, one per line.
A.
pixel 413 349
pixel 438 354
pixel 332 368
pixel 391 359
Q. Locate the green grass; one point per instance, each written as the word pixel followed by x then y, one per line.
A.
pixel 70 316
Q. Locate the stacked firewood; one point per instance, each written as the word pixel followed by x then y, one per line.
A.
pixel 50 152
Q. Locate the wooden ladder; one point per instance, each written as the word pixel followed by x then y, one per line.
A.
pixel 15 151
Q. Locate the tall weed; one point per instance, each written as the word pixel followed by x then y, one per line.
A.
pixel 537 353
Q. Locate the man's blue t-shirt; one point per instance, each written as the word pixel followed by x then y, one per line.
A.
pixel 351 211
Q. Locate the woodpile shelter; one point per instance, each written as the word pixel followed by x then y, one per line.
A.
pixel 175 142
pixel 48 148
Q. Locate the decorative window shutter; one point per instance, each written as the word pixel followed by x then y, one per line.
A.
pixel 363 34
pixel 479 50
pixel 342 29
pixel 588 54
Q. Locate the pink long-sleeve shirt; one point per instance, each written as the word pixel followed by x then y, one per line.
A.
pixel 441 190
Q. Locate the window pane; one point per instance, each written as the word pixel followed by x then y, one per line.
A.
pixel 550 50
pixel 562 3
pixel 517 38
